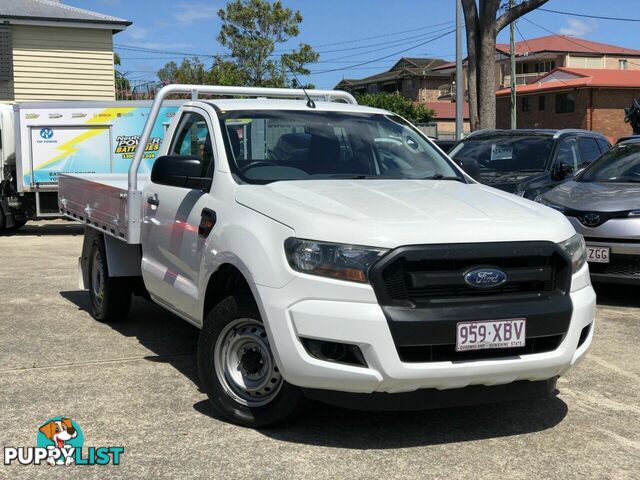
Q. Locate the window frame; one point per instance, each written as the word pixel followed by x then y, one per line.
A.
pixel 526 104
pixel 186 113
pixel 565 103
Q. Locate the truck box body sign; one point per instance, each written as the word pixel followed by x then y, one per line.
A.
pixel 72 139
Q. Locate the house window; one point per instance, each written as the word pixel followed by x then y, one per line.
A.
pixel 6 53
pixel 526 107
pixel 565 102
pixel 541 104
pixel 622 64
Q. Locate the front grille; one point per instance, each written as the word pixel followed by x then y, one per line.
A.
pixel 628 265
pixel 436 276
pixel 447 353
pixel 423 294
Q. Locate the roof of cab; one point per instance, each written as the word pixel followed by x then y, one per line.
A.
pixel 288 104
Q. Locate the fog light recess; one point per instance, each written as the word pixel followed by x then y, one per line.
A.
pixel 334 352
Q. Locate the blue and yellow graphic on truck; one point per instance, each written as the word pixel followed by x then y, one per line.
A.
pixel 94 140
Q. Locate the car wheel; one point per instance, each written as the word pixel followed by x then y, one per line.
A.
pixel 237 369
pixel 109 297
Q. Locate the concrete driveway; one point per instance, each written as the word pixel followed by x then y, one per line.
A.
pixel 135 385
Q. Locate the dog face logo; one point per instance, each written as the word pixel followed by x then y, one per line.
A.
pixel 59 431
pixel 62 436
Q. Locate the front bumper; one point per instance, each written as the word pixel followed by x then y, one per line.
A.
pixel 622 236
pixel 624 262
pixel 330 310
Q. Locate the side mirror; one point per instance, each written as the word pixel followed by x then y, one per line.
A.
pixel 184 171
pixel 562 171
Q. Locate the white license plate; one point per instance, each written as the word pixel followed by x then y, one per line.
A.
pixel 509 333
pixel 598 254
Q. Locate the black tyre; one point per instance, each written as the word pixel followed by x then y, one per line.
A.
pixel 17 224
pixel 237 369
pixel 109 298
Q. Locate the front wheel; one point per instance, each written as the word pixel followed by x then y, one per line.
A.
pixel 109 297
pixel 237 369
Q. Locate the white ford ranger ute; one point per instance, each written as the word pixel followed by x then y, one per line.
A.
pixel 330 250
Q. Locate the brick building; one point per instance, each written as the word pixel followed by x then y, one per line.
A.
pixel 538 56
pixel 592 99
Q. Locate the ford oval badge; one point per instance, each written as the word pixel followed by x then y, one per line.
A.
pixel 485 277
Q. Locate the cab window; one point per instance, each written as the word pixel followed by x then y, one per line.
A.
pixel 194 139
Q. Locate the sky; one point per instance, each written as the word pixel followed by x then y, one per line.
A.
pixel 347 33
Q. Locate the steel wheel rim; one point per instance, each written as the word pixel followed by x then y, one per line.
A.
pixel 244 364
pixel 97 279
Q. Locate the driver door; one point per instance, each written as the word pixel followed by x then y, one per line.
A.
pixel 172 246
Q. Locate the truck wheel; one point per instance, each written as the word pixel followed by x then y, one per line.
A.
pixel 237 369
pixel 109 298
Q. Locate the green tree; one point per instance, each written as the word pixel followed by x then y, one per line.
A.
pixel 123 86
pixel 394 102
pixel 251 29
pixel 189 71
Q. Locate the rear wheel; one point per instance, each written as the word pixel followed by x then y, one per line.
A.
pixel 237 368
pixel 109 297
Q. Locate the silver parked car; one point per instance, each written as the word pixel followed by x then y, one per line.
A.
pixel 603 204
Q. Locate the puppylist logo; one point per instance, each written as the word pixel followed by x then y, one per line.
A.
pixel 60 442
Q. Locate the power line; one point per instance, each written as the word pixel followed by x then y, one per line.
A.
pixel 371 38
pixel 598 17
pixel 386 56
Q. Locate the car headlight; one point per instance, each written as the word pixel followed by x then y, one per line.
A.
pixel 576 248
pixel 335 260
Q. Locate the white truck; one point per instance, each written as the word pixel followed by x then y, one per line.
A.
pixel 38 141
pixel 330 250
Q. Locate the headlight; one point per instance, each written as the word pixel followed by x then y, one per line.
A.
pixel 576 248
pixel 335 260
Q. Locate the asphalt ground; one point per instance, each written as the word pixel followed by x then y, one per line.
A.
pixel 134 385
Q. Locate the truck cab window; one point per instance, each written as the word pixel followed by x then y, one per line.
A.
pixel 193 138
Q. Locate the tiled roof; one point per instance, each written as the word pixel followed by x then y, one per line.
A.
pixel 424 69
pixel 53 10
pixel 565 43
pixel 563 78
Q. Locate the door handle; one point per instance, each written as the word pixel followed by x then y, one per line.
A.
pixel 208 220
pixel 153 200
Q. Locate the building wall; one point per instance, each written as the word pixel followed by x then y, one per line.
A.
pixel 608 111
pixel 447 128
pixel 429 89
pixel 607 105
pixel 60 63
pixel 633 63
pixel 543 119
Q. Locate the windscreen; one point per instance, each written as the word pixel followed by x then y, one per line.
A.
pixel 620 164
pixel 506 153
pixel 266 146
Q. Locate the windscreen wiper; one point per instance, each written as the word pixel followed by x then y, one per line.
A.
pixel 439 176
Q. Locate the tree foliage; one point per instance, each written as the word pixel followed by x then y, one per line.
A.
pixel 482 26
pixel 123 86
pixel 251 29
pixel 394 102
